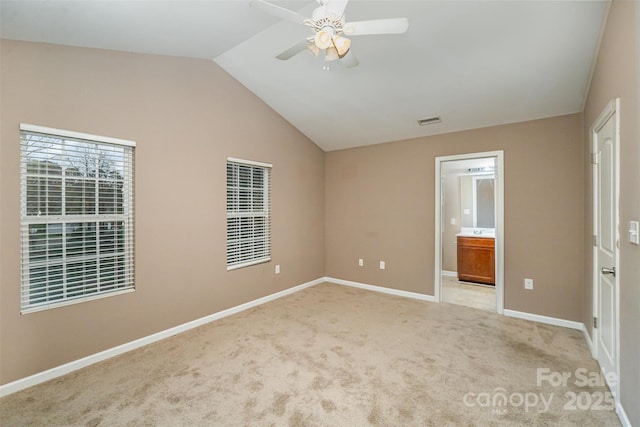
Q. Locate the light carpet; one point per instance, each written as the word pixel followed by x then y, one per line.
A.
pixel 334 356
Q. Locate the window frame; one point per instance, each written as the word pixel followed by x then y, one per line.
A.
pixel 65 219
pixel 265 213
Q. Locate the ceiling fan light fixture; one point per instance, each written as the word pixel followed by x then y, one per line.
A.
pixel 331 54
pixel 323 39
pixel 342 45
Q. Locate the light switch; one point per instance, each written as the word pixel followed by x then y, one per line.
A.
pixel 452 221
pixel 467 211
pixel 633 232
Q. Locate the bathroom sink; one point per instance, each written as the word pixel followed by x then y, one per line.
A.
pixel 477 232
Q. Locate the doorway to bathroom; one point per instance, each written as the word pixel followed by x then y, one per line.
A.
pixel 469 261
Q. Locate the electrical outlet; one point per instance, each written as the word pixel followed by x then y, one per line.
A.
pixel 528 283
pixel 382 265
pixel 277 268
pixel 360 262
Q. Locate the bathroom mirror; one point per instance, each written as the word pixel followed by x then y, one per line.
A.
pixel 477 201
pixel 483 202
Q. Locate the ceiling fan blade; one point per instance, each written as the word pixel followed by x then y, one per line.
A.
pixel 350 60
pixel 278 11
pixel 293 50
pixel 377 26
pixel 334 9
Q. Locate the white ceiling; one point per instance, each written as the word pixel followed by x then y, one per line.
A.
pixel 474 63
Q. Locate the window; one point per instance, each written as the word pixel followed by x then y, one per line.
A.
pixel 76 217
pixel 248 218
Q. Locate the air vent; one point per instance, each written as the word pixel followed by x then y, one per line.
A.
pixel 429 121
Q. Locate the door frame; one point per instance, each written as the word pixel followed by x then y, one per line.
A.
pixel 499 239
pixel 613 107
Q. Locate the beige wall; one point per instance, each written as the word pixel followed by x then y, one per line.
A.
pixel 186 116
pixel 616 76
pixel 380 206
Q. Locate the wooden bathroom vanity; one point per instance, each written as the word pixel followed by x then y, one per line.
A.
pixel 476 259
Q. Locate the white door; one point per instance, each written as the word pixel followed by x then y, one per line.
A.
pixel 605 159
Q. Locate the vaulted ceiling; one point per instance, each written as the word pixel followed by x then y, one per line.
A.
pixel 472 63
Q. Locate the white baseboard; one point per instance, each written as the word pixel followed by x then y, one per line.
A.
pixel 58 371
pixel 544 319
pixel 390 291
pixel 624 420
pixel 449 273
pixel 587 338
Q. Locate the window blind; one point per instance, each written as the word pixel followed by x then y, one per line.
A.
pixel 248 213
pixel 77 228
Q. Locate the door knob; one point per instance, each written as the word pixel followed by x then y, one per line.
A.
pixel 606 270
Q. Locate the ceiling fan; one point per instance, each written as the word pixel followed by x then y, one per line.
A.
pixel 330 29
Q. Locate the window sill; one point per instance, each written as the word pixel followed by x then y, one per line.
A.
pixel 248 263
pixel 75 301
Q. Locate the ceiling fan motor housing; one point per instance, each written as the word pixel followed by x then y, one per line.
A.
pixel 321 20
